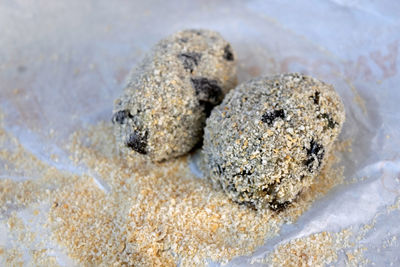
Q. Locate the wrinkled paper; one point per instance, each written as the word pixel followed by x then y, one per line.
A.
pixel 70 58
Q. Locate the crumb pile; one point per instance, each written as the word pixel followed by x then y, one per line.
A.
pixel 324 249
pixel 320 249
pixel 314 250
pixel 131 212
pixel 163 109
pixel 269 138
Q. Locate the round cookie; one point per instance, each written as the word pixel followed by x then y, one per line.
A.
pixel 168 97
pixel 268 139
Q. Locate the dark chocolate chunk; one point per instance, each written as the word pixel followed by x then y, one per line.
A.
pixel 190 60
pixel 315 97
pixel 207 90
pixel 137 142
pixel 207 107
pixel 243 173
pixel 228 55
pixel 120 116
pixel 270 116
pixel 246 172
pixel 277 206
pixel 315 152
pixel 331 122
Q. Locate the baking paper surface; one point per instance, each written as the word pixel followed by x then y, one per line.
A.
pixel 68 61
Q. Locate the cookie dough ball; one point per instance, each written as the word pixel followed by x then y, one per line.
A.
pixel 168 97
pixel 268 139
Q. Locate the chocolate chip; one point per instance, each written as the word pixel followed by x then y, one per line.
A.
pixel 208 92
pixel 137 142
pixel 207 107
pixel 244 173
pixel 270 116
pixel 277 206
pixel 228 55
pixel 120 116
pixel 331 122
pixel 190 60
pixel 315 97
pixel 315 152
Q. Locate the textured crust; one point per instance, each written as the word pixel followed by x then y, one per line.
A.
pixel 163 109
pixel 269 137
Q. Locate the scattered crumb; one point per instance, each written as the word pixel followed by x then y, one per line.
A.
pixel 13 257
pixel 135 212
pixel 315 250
pixel 320 249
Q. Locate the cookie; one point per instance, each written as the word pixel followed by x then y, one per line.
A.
pixel 269 138
pixel 162 111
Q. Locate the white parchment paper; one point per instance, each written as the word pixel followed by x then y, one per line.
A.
pixel 70 59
